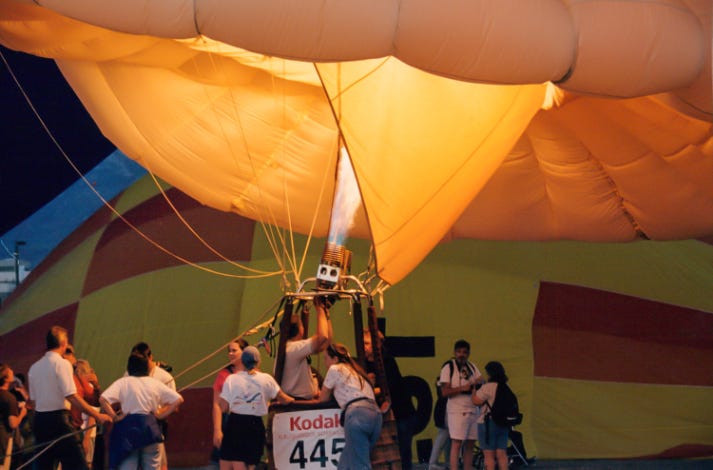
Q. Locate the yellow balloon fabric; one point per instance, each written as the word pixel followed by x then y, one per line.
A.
pixel 477 119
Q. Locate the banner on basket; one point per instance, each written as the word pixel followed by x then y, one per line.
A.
pixel 308 439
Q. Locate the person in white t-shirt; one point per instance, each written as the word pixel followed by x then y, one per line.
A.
pixel 458 378
pixel 142 400
pixel 159 373
pixel 361 417
pixel 246 395
pixel 297 380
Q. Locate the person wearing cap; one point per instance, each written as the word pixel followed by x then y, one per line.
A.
pixel 246 395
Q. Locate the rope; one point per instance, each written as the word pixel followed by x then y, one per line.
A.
pixel 9 253
pixel 201 239
pixel 201 379
pixel 48 446
pixel 101 198
pixel 185 387
pixel 248 332
pixel 237 119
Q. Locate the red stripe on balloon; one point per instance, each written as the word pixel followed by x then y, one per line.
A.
pixel 121 253
pixel 683 451
pixel 100 218
pixel 191 430
pixel 590 334
pixel 708 240
pixel 25 344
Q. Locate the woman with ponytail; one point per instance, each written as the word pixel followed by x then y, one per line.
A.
pixel 361 417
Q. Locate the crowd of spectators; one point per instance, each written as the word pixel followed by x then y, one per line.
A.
pixel 77 424
pixel 61 415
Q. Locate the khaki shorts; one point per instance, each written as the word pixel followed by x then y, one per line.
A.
pixel 463 425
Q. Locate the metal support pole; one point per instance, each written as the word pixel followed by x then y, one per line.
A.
pixel 16 255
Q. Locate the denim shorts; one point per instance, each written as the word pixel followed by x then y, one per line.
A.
pixel 496 437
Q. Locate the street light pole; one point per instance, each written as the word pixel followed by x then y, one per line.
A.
pixel 16 255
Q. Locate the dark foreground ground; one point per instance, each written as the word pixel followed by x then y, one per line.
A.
pixel 622 464
pixel 595 464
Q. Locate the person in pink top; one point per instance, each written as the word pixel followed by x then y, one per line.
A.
pixel 235 351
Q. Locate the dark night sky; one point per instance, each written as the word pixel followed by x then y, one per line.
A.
pixel 32 169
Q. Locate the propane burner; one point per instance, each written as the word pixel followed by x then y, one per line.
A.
pixel 335 263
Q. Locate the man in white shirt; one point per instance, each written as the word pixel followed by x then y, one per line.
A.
pixel 297 380
pixel 52 392
pixel 459 377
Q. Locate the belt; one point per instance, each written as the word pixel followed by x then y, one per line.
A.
pixel 351 402
pixel 53 412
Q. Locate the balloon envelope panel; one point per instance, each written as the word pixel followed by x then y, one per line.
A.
pixel 445 110
pixel 608 329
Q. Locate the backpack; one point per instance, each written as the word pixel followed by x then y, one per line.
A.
pixel 505 411
pixel 439 410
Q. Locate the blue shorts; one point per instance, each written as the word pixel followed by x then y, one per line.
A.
pixel 495 438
